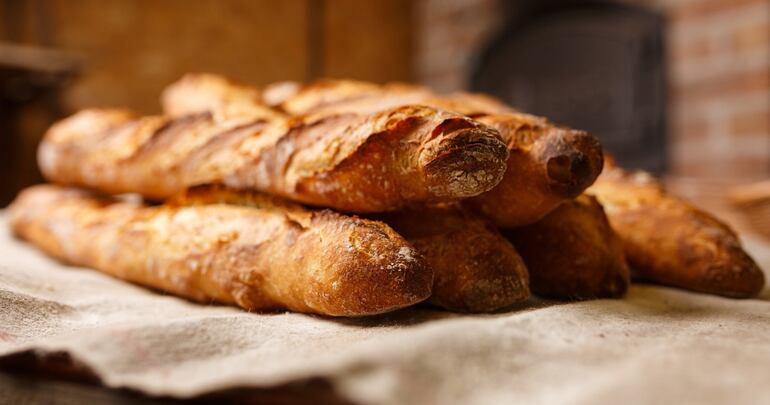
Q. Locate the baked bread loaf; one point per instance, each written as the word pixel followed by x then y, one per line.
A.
pixel 197 93
pixel 351 162
pixel 326 96
pixel 316 96
pixel 573 253
pixel 547 164
pixel 269 256
pixel 668 241
pixel 475 268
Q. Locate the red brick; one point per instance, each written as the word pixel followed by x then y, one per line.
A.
pixel 690 131
pixel 752 37
pixel 723 86
pixel 721 167
pixel 750 167
pixel 697 48
pixel 751 123
pixel 707 8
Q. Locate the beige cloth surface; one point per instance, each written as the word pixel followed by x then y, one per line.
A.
pixel 658 345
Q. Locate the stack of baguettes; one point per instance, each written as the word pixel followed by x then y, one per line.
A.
pixel 455 199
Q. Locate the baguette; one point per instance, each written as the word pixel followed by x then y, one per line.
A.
pixel 475 268
pixel 547 164
pixel 351 162
pixel 274 94
pixel 197 93
pixel 573 253
pixel 668 241
pixel 321 94
pixel 269 256
pixel 334 96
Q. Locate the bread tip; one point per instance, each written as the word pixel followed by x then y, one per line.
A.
pixel 468 162
pixel 739 277
pixel 617 283
pixel 376 271
pixel 573 160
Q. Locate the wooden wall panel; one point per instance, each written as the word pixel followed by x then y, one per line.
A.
pixel 369 40
pixel 133 48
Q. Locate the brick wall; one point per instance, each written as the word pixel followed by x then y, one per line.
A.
pixel 448 35
pixel 718 54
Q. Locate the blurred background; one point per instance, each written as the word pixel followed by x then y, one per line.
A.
pixel 679 87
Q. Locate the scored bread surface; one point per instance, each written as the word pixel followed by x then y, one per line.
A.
pixel 275 256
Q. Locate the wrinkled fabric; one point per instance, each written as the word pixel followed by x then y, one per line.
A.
pixel 656 345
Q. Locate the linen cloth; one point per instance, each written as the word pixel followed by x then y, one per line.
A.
pixel 657 345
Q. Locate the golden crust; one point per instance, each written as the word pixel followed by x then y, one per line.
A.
pixel 547 164
pixel 668 241
pixel 317 95
pixel 355 163
pixel 197 93
pixel 475 268
pixel 573 253
pixel 274 256
pixel 276 93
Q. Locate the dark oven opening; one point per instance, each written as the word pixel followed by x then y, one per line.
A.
pixel 596 66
